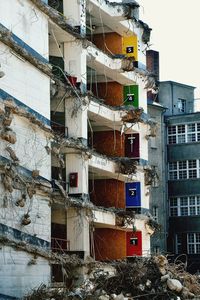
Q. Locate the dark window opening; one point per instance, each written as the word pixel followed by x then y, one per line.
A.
pixel 56 4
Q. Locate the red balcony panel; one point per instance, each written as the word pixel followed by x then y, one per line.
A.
pixel 132 145
pixel 134 243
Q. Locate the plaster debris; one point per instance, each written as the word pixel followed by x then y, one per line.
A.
pixel 58 18
pixel 138 279
pixel 8 135
pixel 174 285
pixel 31 190
pixel 26 219
pixel 2 108
pixel 9 104
pixel 151 175
pixel 127 166
pixel 12 155
pixel 7 182
pixel 133 116
pixel 35 173
pixel 127 64
pixel 21 201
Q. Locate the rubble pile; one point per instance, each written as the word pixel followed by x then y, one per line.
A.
pixel 140 278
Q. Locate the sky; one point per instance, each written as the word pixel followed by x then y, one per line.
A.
pixel 175 34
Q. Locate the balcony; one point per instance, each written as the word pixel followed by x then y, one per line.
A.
pixel 60 245
pixel 112 16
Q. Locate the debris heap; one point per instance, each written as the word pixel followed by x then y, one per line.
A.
pixel 140 278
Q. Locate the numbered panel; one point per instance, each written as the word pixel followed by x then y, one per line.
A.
pixel 132 145
pixel 134 243
pixel 131 95
pixel 130 47
pixel 133 194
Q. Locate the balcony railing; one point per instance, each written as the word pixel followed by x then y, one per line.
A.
pixel 60 245
pixel 64 184
pixel 59 128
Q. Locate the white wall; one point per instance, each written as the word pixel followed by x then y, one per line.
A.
pixel 39 211
pixel 76 123
pixel 75 60
pixel 143 141
pixel 140 225
pixel 54 50
pixel 141 47
pixel 77 163
pixel 78 230
pixel 75 12
pixel 17 277
pixel 29 147
pixel 25 82
pixel 27 22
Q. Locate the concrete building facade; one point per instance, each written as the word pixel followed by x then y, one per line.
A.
pixel 183 179
pixel 157 158
pixel 75 176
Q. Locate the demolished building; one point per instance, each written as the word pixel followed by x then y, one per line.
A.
pixel 74 166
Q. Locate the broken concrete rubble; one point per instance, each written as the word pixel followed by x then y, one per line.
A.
pixel 58 18
pixel 10 104
pixel 151 175
pixel 136 279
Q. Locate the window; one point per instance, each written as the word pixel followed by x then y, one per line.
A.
pixel 156 250
pixel 193 243
pixel 173 171
pixel 182 169
pixel 187 133
pixel 185 169
pixel 172 134
pixel 153 142
pixel 155 213
pixel 184 206
pixel 181 105
pixel 181 134
pixel 178 243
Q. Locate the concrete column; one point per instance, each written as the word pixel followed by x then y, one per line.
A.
pixel 78 230
pixel 75 62
pixel 77 163
pixel 75 12
pixel 76 119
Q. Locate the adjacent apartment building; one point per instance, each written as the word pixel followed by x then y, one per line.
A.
pixel 157 159
pixel 75 176
pixel 174 152
pixel 183 125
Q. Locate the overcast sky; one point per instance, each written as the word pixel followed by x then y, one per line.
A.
pixel 176 35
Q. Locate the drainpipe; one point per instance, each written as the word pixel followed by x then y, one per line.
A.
pixel 164 174
pixel 172 92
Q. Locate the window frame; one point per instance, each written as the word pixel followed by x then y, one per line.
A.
pixel 176 137
pixel 183 169
pixel 194 243
pixel 181 105
pixel 179 208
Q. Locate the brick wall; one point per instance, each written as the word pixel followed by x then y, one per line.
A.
pixel 110 244
pixel 152 60
pixel 109 143
pixel 111 92
pixel 108 193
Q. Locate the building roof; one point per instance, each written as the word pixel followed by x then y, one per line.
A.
pixel 178 83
